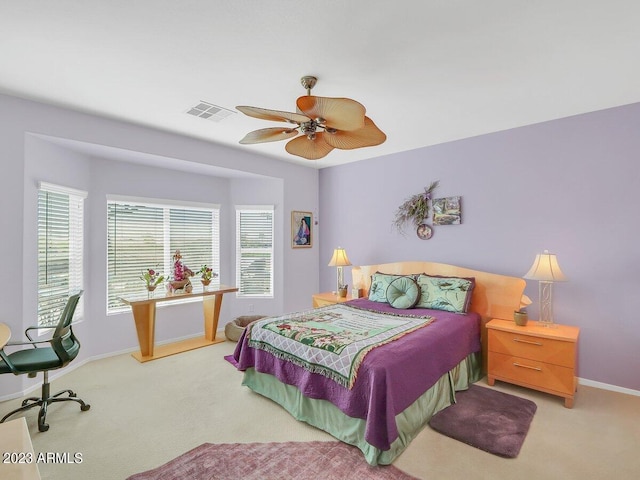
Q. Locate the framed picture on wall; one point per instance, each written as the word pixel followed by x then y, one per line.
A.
pixel 301 229
pixel 446 211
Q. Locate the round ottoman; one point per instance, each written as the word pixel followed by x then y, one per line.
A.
pixel 233 330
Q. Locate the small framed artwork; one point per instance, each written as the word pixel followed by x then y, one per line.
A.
pixel 446 211
pixel 301 229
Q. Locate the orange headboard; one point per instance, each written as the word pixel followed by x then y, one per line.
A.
pixel 494 296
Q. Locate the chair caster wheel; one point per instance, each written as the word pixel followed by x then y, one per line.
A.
pixel 42 416
pixel 84 408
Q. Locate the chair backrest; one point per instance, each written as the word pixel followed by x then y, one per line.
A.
pixel 63 341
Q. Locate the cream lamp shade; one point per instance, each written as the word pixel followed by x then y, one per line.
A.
pixel 546 270
pixel 339 259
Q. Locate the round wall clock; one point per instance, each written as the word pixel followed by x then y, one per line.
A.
pixel 424 232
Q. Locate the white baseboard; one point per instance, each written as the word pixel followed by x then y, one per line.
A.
pixel 55 374
pixel 52 376
pixel 606 386
pixel 73 365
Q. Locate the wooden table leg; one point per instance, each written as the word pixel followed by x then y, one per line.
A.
pixel 144 316
pixel 211 307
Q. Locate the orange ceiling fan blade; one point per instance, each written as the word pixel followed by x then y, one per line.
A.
pixel 268 135
pixel 368 136
pixel 311 149
pixel 338 113
pixel 275 115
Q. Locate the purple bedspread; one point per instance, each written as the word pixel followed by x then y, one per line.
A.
pixel 391 376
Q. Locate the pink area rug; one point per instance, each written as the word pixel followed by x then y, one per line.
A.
pixel 267 461
pixel 487 419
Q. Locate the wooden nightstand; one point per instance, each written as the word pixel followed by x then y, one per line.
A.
pixel 534 356
pixel 328 298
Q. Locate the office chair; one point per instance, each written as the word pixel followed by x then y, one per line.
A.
pixel 63 348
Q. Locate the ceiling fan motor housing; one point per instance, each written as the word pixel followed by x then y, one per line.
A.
pixel 309 129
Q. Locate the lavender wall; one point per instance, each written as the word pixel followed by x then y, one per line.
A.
pixel 570 186
pixel 31 151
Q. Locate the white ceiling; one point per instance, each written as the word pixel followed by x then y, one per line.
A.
pixel 428 71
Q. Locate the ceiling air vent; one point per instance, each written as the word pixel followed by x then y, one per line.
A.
pixel 210 111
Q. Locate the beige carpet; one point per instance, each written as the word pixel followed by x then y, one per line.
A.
pixel 143 415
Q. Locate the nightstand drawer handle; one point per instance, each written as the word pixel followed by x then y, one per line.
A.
pixel 515 364
pixel 527 341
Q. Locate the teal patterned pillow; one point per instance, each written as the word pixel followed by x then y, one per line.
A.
pixel 403 292
pixel 452 294
pixel 379 284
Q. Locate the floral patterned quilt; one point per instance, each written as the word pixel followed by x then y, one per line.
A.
pixel 331 340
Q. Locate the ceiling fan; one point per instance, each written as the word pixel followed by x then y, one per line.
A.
pixel 322 124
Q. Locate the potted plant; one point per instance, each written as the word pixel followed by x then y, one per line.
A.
pixel 151 278
pixel 521 317
pixel 206 274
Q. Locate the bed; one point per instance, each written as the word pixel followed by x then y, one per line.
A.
pixel 411 358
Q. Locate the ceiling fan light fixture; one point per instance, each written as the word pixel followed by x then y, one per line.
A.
pixel 327 123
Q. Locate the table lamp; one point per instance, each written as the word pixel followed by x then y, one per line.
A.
pixel 546 270
pixel 339 259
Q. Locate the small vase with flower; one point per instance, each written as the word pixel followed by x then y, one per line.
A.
pixel 151 278
pixel 206 275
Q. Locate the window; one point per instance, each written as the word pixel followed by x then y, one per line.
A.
pixel 145 234
pixel 60 250
pixel 254 250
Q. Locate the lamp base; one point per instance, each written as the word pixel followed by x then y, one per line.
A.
pixel 545 292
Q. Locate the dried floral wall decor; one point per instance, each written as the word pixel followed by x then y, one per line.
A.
pixel 414 210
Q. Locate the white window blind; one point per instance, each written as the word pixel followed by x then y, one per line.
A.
pixel 60 251
pixel 254 250
pixel 146 235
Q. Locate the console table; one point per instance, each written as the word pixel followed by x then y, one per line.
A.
pixel 144 314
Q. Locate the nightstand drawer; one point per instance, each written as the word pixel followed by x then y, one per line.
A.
pixel 538 348
pixel 532 373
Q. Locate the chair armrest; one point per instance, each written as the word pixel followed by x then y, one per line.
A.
pixel 34 343
pixel 26 332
